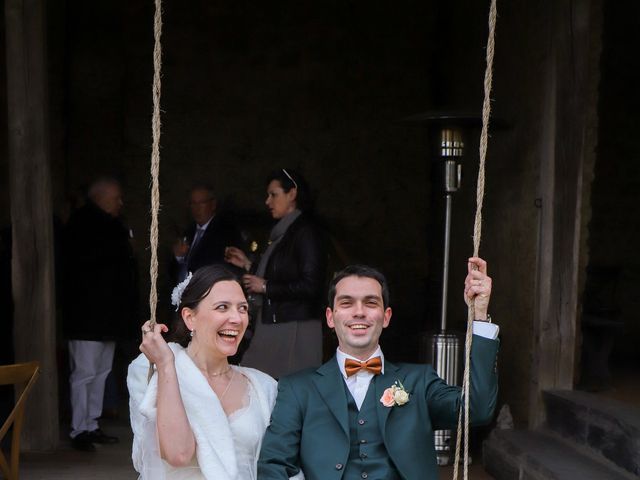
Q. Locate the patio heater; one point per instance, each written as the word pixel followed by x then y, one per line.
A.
pixel 444 348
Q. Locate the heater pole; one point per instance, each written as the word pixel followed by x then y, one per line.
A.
pixel 445 266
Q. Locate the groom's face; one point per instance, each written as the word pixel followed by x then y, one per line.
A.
pixel 358 315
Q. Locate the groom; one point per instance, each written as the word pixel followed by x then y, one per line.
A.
pixel 361 417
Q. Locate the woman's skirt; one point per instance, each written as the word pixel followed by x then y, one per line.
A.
pixel 282 348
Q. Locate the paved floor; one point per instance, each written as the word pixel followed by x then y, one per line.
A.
pixel 109 462
pixel 113 462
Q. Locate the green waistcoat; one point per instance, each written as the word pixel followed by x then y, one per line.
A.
pixel 368 457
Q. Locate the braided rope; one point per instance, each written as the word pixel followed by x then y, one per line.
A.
pixel 155 169
pixel 477 235
pixel 155 162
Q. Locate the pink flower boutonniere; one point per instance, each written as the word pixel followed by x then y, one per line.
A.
pixel 395 395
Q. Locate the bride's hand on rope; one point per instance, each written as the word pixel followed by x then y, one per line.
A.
pixel 477 286
pixel 154 346
pixel 237 257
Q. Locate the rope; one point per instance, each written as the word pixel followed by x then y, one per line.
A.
pixel 477 234
pixel 155 162
pixel 155 167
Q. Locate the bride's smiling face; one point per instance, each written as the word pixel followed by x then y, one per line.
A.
pixel 220 320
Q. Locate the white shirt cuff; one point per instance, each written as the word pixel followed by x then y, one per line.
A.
pixel 486 329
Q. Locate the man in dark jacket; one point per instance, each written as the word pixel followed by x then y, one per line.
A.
pixel 206 238
pixel 99 303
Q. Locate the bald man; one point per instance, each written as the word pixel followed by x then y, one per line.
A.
pixel 98 305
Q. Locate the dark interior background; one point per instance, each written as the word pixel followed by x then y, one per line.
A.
pixel 320 87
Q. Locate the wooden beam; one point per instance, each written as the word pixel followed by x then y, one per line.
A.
pixel 571 100
pixel 31 214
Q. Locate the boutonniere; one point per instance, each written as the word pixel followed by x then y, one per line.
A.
pixel 395 395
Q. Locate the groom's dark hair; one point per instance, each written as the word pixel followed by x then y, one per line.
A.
pixel 359 271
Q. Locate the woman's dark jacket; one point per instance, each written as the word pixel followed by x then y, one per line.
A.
pixel 295 274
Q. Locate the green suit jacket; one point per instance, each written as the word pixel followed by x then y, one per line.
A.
pixel 309 424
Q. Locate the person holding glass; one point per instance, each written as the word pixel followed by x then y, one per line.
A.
pixel 286 283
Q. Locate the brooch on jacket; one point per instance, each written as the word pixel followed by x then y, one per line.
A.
pixel 395 395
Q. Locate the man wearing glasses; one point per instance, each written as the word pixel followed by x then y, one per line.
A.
pixel 206 238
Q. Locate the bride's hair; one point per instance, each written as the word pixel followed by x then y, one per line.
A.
pixel 198 288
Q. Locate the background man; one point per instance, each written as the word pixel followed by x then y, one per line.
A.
pixel 99 303
pixel 205 240
pixel 359 415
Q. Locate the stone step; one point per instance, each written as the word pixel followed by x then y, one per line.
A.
pixel 606 427
pixel 537 455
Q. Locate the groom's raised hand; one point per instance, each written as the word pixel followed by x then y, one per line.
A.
pixel 477 287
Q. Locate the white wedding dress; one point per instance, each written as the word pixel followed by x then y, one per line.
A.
pixel 227 448
pixel 246 440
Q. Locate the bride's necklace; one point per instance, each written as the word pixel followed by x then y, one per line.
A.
pixel 219 374
pixel 211 376
pixel 233 375
pixel 216 374
pixel 205 372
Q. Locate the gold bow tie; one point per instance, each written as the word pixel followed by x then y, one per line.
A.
pixel 373 365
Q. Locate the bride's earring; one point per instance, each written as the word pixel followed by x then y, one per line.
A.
pixel 192 332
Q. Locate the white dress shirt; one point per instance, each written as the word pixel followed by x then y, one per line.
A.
pixel 358 383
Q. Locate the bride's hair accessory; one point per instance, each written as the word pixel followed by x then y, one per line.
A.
pixel 176 294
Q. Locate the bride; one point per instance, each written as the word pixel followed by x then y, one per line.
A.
pixel 199 417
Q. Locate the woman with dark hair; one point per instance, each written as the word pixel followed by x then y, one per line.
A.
pixel 199 417
pixel 287 282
